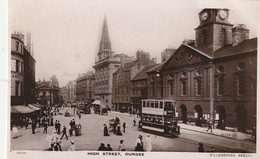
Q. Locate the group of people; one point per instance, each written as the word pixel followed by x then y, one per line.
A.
pixel 102 147
pixel 143 145
pixel 115 124
pixel 201 148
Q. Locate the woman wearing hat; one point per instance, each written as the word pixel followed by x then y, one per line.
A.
pixel 139 144
pixel 72 146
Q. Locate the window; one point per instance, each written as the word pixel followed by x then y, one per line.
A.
pixel 17 88
pixel 241 84
pixel 16 46
pixel 204 37
pixel 153 89
pixel 220 85
pixel 13 65
pixel 198 86
pixel 161 105
pixel 184 87
pixel 223 37
pixel 171 88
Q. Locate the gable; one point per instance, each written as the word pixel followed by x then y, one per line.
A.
pixel 185 55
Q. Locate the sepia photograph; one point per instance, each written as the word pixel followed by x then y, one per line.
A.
pixel 133 79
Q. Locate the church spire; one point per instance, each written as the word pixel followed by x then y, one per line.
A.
pixel 105 44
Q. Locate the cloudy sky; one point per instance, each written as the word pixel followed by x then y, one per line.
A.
pixel 66 33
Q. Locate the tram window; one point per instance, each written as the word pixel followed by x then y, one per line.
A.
pixel 161 105
pixel 152 104
pixel 156 104
pixel 148 104
pixel 168 106
pixel 144 104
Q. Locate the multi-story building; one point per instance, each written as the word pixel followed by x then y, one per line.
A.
pixel 106 64
pixel 214 77
pixel 22 72
pixel 139 87
pixel 165 54
pixel 47 92
pixel 63 95
pixel 71 91
pixel 122 80
pixel 85 86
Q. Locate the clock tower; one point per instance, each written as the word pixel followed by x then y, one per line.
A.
pixel 214 30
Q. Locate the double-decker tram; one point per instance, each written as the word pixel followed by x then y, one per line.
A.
pixel 159 116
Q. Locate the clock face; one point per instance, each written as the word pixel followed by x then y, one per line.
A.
pixel 204 16
pixel 223 14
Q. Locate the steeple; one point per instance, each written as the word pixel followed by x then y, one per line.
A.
pixel 105 44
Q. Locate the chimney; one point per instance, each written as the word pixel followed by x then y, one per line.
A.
pixel 143 57
pixel 239 33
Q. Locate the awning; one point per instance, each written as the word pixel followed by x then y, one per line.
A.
pixel 33 107
pixel 38 105
pixel 96 102
pixel 22 109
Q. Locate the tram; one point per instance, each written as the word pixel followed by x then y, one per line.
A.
pixel 159 116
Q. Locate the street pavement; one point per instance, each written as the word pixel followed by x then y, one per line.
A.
pixel 92 136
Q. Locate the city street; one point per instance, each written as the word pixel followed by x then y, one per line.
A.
pixel 92 136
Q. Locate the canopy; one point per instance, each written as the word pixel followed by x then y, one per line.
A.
pixel 96 102
pixel 34 107
pixel 22 109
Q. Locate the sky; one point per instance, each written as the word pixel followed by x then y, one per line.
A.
pixel 66 33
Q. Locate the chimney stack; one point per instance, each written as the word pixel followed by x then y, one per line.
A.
pixel 239 33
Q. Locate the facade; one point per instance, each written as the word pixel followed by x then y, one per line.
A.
pixel 47 92
pixel 122 80
pixel 63 95
pixel 139 87
pixel 85 86
pixel 71 91
pixel 166 54
pixel 22 72
pixel 106 64
pixel 214 77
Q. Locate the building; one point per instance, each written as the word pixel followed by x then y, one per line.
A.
pixel 107 62
pixel 85 86
pixel 139 87
pixel 165 54
pixel 122 80
pixel 71 91
pixel 63 95
pixel 214 77
pixel 47 92
pixel 22 72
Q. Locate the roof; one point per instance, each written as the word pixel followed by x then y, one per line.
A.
pixel 243 47
pixel 142 74
pixel 127 66
pixel 157 67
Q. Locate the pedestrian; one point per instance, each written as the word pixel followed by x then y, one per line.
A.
pixel 48 121
pixel 72 146
pixel 139 143
pixel 33 126
pixel 51 121
pixel 45 127
pixel 109 148
pixel 118 131
pixel 213 149
pixel 39 122
pixel 102 147
pixel 79 115
pixel 148 142
pixel 71 124
pixel 134 122
pixel 201 148
pixel 15 131
pixel 58 127
pixel 114 127
pixel 209 126
pixel 26 124
pixel 121 146
pixel 124 126
pixel 105 130
pixel 57 146
pixel 64 132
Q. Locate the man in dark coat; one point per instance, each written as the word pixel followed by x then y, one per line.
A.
pixel 201 148
pixel 124 126
pixel 58 127
pixel 102 147
pixel 64 132
pixel 45 127
pixel 105 130
pixel 118 131
pixel 109 148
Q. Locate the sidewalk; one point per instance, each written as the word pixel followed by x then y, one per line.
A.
pixel 217 132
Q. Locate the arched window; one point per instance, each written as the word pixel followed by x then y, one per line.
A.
pixel 223 37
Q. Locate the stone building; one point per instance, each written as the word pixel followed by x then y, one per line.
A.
pixel 122 80
pixel 85 86
pixel 47 92
pixel 107 62
pixel 63 95
pixel 71 91
pixel 165 54
pixel 139 87
pixel 22 72
pixel 214 77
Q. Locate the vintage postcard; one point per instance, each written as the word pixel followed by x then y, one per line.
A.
pixel 132 79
